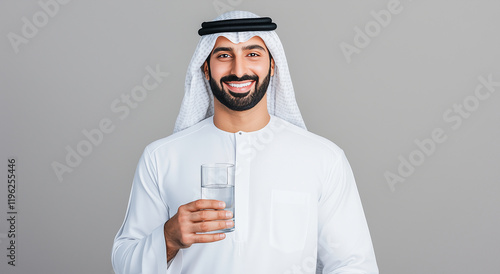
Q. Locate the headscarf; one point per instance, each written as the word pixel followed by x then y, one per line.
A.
pixel 197 104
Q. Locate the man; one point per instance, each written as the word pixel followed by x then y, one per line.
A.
pixel 297 206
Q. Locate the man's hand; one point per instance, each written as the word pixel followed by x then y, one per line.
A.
pixel 180 230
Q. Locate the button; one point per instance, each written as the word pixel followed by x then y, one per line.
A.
pixel 239 133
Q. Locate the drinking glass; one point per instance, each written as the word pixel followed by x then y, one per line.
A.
pixel 217 183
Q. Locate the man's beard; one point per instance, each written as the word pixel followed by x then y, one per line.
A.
pixel 240 101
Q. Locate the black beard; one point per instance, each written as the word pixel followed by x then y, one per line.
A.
pixel 240 101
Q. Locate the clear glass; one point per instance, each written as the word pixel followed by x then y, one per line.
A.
pixel 217 183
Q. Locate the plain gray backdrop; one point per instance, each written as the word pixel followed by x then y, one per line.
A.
pixel 404 96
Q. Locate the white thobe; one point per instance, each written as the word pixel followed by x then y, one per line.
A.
pixel 297 208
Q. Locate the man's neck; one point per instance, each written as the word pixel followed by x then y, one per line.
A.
pixel 249 120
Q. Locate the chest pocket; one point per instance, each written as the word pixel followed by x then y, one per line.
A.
pixel 290 212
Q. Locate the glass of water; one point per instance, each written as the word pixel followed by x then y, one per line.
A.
pixel 217 183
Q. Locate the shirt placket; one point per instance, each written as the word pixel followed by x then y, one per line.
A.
pixel 243 153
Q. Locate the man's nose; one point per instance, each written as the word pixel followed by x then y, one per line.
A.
pixel 239 66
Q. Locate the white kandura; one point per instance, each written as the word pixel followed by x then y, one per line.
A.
pixel 295 205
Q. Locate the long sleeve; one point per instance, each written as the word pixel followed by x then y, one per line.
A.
pixel 344 244
pixel 139 246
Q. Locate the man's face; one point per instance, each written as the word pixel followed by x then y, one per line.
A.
pixel 239 74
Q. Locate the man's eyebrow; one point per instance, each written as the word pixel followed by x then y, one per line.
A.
pixel 222 49
pixel 250 47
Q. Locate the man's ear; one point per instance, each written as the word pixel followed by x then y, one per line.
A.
pixel 272 66
pixel 205 70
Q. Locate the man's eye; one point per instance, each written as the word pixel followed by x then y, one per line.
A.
pixel 253 54
pixel 224 55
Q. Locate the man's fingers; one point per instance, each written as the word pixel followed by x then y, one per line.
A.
pixel 208 238
pixel 204 204
pixel 212 226
pixel 210 215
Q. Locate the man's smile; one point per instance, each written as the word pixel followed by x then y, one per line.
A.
pixel 239 86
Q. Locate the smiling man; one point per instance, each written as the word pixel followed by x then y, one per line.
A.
pixel 239 76
pixel 297 208
pixel 229 60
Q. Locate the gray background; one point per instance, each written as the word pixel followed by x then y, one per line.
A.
pixel 444 218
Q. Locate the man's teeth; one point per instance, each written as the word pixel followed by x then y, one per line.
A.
pixel 239 85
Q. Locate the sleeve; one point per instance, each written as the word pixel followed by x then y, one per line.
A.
pixel 344 243
pixel 139 246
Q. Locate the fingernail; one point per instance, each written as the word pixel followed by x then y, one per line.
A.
pixel 229 214
pixel 229 223
pixel 222 204
pixel 222 236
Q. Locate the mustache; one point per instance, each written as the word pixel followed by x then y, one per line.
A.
pixel 233 77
